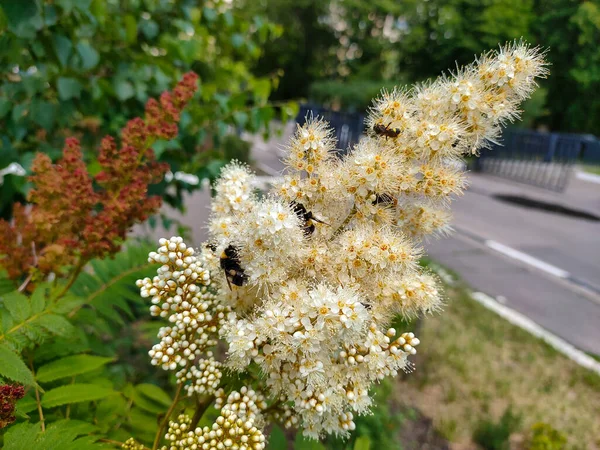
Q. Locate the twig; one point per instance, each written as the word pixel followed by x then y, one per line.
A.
pixel 37 399
pixel 201 407
pixel 161 429
pixel 25 283
pixel 74 276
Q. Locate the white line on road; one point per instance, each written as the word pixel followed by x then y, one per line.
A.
pixel 588 177
pixel 519 320
pixel 527 259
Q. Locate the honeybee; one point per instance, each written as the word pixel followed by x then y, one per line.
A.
pixel 230 263
pixel 306 217
pixel 386 131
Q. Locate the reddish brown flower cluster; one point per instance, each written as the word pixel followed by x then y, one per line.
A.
pixel 75 216
pixel 9 394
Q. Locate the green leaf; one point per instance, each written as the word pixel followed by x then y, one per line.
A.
pixel 74 393
pixel 23 17
pixel 69 5
pixel 44 114
pixel 277 439
pixel 130 28
pixel 68 88
pixel 14 368
pixel 303 443
pixel 70 366
pixel 155 393
pixel 89 55
pixel 63 48
pixel 362 443
pixel 17 305
pixel 55 324
pixel 124 89
pixel 21 436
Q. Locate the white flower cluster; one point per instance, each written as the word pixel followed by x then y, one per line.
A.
pixel 315 271
pixel 180 292
pixel 303 283
pixel 228 432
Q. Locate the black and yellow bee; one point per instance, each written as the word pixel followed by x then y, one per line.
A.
pixel 385 200
pixel 306 217
pixel 230 263
pixel 385 130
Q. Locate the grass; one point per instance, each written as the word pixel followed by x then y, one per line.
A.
pixel 473 365
pixel 590 168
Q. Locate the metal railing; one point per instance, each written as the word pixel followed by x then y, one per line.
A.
pixel 540 159
pixel 348 126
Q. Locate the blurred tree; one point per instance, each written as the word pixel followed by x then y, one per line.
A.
pixel 82 67
pixel 571 30
pixel 438 33
pixel 302 53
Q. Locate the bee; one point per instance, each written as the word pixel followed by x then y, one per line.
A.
pixel 386 131
pixel 306 217
pixel 230 263
pixel 385 200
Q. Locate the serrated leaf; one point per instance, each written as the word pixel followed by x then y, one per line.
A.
pixel 70 366
pixel 62 433
pixel 21 436
pixel 14 368
pixel 17 305
pixel 74 393
pixel 155 393
pixel 55 324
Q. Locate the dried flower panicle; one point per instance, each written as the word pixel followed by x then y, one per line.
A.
pixel 9 394
pixel 75 216
pixel 304 282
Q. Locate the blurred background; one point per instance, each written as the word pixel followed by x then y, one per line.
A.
pixel 513 360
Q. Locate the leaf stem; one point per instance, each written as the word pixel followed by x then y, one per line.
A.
pixel 165 420
pixel 201 407
pixel 37 399
pixel 75 274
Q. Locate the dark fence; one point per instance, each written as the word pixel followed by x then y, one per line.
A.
pixel 348 126
pixel 540 159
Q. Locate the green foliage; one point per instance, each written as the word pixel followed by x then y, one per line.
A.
pixel 354 95
pixel 70 366
pixel 492 435
pixel 85 67
pixel 545 437
pixel 74 393
pixel 70 349
pixel 64 435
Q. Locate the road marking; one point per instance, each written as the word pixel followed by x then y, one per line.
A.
pixel 588 177
pixel 523 322
pixel 527 259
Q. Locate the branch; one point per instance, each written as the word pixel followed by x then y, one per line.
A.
pixel 37 399
pixel 161 429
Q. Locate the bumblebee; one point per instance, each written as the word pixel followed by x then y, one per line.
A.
pixel 385 200
pixel 230 263
pixel 386 131
pixel 306 217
